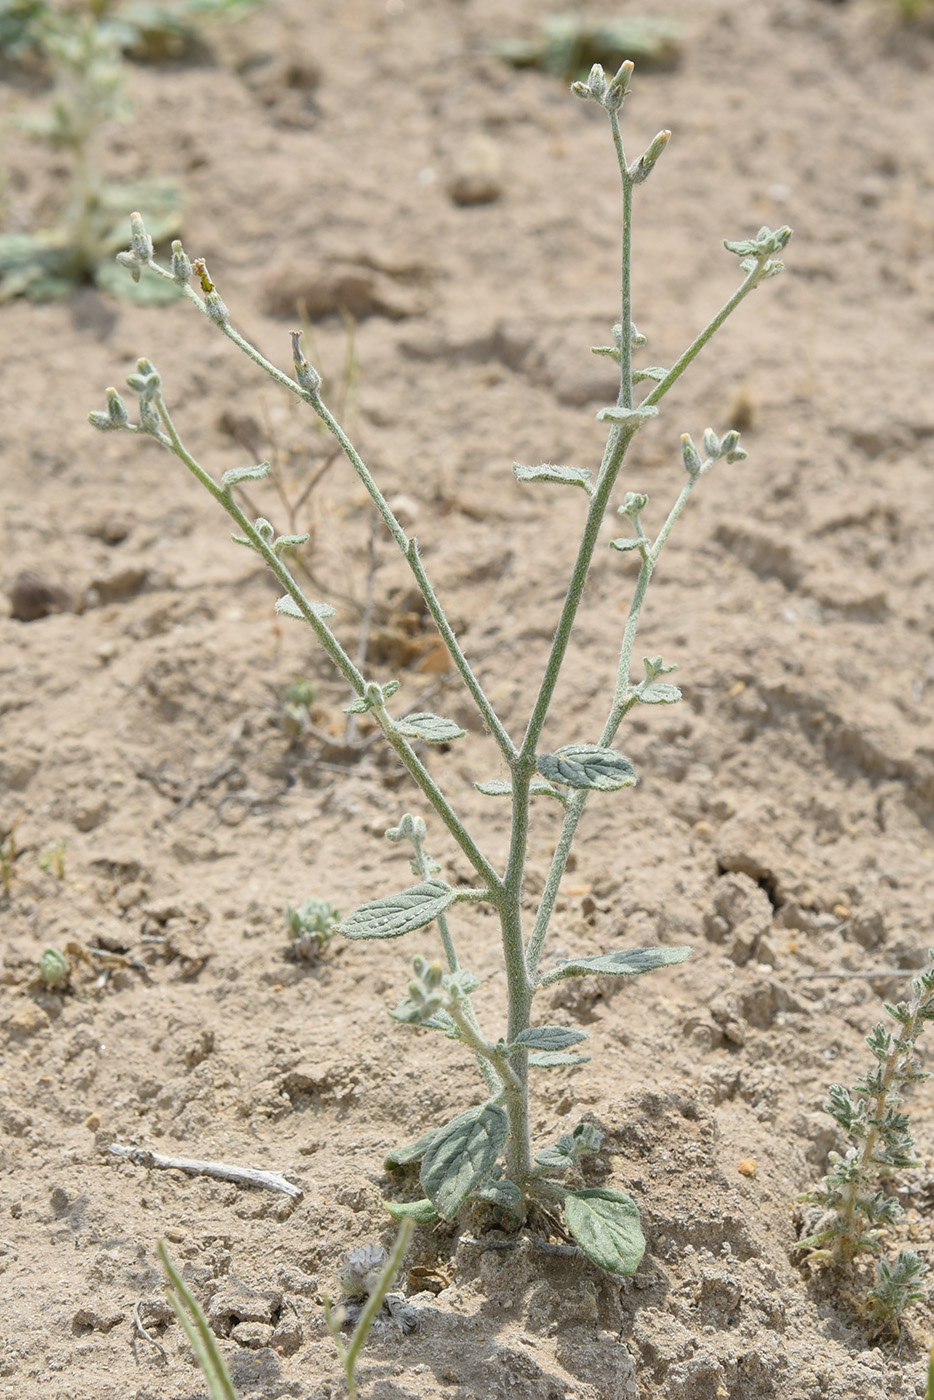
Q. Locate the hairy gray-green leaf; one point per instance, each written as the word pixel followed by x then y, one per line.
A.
pixel 548 1038
pixel 238 474
pixel 502 1193
pixel 661 693
pixel 538 788
pixel 460 983
pixel 629 962
pixel 400 913
pixel 565 476
pixel 412 1152
pixel 624 544
pixel 461 1155
pixel 551 1059
pixel 587 766
pixel 628 417
pixel 606 1225
pixel 422 1212
pixel 429 729
pixel 373 695
pixel 286 606
pixel 569 1148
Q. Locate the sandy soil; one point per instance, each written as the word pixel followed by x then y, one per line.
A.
pixel 166 809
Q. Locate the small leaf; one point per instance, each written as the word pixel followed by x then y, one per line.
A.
pixel 655 666
pixel 461 1155
pixel 502 1192
pixel 606 1225
pixel 285 542
pixel 661 693
pixel 630 962
pixel 623 544
pixel 548 1038
pixel 654 372
pixel 461 983
pixel 422 1212
pixel 565 476
pixel 587 766
pixel 373 696
pixel 238 474
pixel 286 606
pixel 627 417
pixel 429 729
pixel 551 1059
pixel 400 913
pixel 538 788
pixel 570 1148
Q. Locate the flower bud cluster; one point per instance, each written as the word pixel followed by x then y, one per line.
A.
pixel 715 448
pixel 610 93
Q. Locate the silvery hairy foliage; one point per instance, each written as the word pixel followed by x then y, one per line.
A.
pixel 484 1152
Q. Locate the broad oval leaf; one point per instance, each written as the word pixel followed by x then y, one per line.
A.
pixel 548 1038
pixel 400 913
pixel 461 1155
pixel 551 1059
pixel 629 962
pixel 429 729
pixel 660 693
pixel 564 476
pixel 422 1212
pixel 286 606
pixel 587 766
pixel 606 1225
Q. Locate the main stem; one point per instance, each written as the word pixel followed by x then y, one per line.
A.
pixel 520 972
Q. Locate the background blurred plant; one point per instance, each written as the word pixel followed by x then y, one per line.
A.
pixel 53 970
pixel 312 926
pixel 81 47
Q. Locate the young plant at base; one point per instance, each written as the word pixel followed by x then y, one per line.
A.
pixel 371 1273
pixel 312 926
pixel 856 1211
pixel 485 1153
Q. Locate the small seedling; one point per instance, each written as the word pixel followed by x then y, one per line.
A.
pixel 53 970
pixel 898 1285
pixel 367 1273
pixel 312 926
pixel 52 861
pixel 856 1208
pixel 485 1152
pixel 299 698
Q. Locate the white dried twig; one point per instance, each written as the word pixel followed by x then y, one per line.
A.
pixel 223 1171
